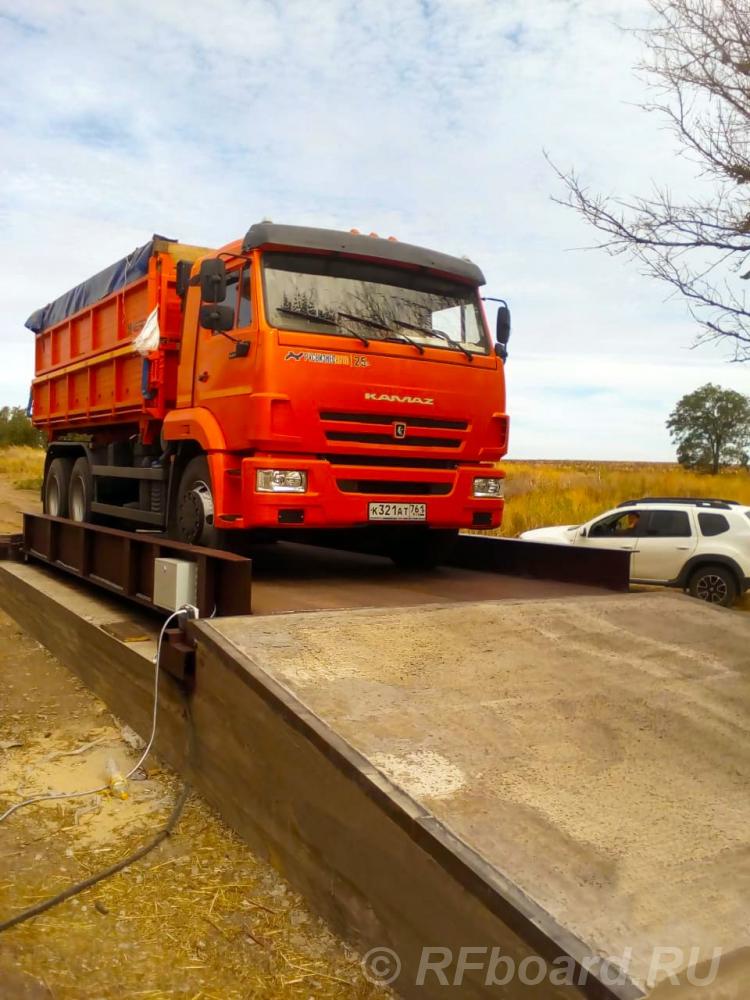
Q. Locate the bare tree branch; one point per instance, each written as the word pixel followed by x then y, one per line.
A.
pixel 698 63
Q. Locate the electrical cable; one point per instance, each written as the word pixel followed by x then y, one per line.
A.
pixel 78 887
pixel 103 788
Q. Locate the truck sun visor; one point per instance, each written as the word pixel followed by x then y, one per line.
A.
pixel 95 288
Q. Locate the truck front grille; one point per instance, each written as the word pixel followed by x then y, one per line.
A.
pixel 379 418
pixel 384 486
pixel 393 431
pixel 412 441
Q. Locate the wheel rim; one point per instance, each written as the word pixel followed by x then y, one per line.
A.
pixel 77 500
pixel 53 497
pixel 712 588
pixel 196 512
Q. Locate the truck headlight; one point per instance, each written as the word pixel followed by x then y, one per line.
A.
pixel 485 487
pixel 280 481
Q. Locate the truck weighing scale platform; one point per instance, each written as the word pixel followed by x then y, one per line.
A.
pixel 563 776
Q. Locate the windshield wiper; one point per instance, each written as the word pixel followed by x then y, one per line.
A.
pixel 366 320
pixel 307 315
pixel 402 338
pixel 315 318
pixel 439 334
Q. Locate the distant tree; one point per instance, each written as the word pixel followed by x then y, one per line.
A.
pixel 711 428
pixel 698 63
pixel 16 428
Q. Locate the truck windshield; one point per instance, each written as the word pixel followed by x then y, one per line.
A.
pixel 320 294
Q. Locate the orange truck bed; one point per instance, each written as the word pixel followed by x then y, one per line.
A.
pixel 87 371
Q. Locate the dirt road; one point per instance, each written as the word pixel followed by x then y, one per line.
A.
pixel 200 917
pixel 12 502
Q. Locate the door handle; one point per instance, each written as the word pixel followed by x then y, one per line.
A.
pixel 203 377
pixel 683 548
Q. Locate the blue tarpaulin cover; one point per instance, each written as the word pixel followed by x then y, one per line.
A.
pixel 95 288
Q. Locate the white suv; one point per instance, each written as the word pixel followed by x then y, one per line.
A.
pixel 697 544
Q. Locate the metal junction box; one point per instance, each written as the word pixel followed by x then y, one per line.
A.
pixel 175 583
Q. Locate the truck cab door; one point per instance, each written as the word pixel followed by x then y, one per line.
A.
pixel 225 363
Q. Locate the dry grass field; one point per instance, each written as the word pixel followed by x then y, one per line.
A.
pixel 542 493
pixel 22 466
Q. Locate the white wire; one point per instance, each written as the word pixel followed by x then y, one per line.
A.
pixel 103 788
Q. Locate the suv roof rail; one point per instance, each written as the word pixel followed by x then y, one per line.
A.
pixel 694 501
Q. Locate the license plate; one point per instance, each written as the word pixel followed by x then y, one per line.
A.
pixel 397 511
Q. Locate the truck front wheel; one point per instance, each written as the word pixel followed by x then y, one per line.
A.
pixel 56 483
pixel 194 513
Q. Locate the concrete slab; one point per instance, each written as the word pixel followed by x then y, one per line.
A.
pixel 590 756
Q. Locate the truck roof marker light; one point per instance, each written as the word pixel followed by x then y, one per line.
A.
pixel 393 239
pixel 375 236
pixel 355 232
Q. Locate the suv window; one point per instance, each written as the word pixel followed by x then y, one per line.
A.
pixel 621 525
pixel 668 524
pixel 712 524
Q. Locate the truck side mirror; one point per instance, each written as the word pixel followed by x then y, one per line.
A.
pixel 502 331
pixel 213 279
pixel 218 319
pixel 182 277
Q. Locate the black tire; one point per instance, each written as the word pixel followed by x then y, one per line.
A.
pixel 194 507
pixel 80 491
pixel 56 482
pixel 715 584
pixel 421 548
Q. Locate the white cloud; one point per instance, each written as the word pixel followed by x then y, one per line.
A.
pixel 425 118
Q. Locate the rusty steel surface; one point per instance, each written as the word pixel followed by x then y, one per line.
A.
pixel 11 547
pixel 122 562
pixel 566 563
pixel 292 577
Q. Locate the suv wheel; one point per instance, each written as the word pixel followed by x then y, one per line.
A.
pixel 714 584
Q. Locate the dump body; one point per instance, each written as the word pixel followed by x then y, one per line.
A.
pixel 353 384
pixel 87 374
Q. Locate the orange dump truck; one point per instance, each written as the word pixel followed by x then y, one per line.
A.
pixel 299 378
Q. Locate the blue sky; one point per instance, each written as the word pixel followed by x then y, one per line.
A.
pixel 425 119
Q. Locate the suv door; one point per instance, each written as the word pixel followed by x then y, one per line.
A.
pixel 616 530
pixel 667 540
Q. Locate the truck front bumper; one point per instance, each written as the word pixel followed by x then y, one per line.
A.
pixel 338 496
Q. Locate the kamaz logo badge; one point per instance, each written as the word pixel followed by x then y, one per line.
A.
pixel 399 431
pixel 387 397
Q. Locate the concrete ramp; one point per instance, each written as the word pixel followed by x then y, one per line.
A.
pixel 553 778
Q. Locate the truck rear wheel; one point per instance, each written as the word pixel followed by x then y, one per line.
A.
pixel 194 513
pixel 56 483
pixel 421 548
pixel 80 491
